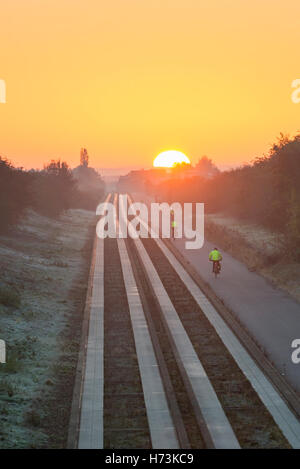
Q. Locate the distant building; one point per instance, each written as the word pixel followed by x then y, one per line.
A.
pixel 141 180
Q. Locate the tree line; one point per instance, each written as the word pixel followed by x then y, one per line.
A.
pixel 266 192
pixel 49 191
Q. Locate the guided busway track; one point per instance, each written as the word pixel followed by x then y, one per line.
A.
pixel 163 370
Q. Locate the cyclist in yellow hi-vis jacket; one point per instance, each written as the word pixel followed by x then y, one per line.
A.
pixel 215 256
pixel 173 225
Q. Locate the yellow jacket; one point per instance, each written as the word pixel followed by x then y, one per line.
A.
pixel 215 255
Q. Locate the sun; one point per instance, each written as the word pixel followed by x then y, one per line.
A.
pixel 168 159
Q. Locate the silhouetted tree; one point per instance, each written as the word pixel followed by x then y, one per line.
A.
pixel 15 194
pixel 89 182
pixel 206 168
pixel 55 189
pixel 84 157
pixel 265 192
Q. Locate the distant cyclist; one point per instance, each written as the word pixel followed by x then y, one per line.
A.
pixel 173 224
pixel 215 256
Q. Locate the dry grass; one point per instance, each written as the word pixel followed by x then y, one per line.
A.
pixel 260 249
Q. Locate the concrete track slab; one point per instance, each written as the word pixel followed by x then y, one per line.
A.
pixel 91 422
pixel 163 433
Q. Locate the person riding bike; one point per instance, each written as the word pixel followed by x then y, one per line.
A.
pixel 173 224
pixel 215 256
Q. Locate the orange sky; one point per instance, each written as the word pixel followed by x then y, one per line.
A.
pixel 130 78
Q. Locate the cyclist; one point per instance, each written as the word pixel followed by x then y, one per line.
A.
pixel 215 256
pixel 173 224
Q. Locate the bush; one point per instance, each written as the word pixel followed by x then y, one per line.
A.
pixel 33 418
pixel 14 193
pixel 90 186
pixel 9 297
pixel 7 388
pixel 12 365
pixel 54 189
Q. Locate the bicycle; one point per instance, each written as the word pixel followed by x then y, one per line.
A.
pixel 216 268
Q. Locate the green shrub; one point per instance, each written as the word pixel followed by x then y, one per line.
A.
pixel 9 297
pixel 7 387
pixel 12 365
pixel 33 418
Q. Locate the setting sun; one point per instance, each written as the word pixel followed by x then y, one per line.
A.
pixel 168 159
